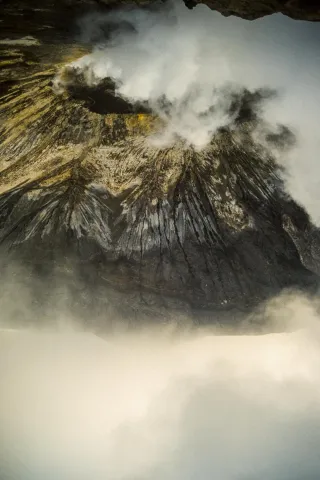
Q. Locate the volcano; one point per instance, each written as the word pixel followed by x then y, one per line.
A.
pixel 92 212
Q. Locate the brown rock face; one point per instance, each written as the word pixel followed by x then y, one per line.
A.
pixel 248 9
pixel 253 9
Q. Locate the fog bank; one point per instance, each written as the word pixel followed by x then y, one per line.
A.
pixel 159 404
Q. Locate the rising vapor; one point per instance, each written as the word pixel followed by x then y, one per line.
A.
pixel 187 66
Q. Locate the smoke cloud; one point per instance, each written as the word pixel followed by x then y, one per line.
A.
pixel 159 405
pixel 187 66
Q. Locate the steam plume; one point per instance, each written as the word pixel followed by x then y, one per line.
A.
pixel 187 66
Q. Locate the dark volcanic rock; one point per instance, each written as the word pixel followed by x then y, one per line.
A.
pixel 40 16
pixel 253 9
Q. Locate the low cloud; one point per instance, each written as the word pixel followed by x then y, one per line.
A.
pixel 162 404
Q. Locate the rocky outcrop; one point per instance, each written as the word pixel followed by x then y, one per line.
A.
pixel 253 9
pixel 58 13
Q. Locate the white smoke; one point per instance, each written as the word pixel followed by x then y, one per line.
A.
pixel 193 59
pixel 159 405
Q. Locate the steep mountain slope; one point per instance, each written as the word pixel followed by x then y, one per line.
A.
pixel 95 217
